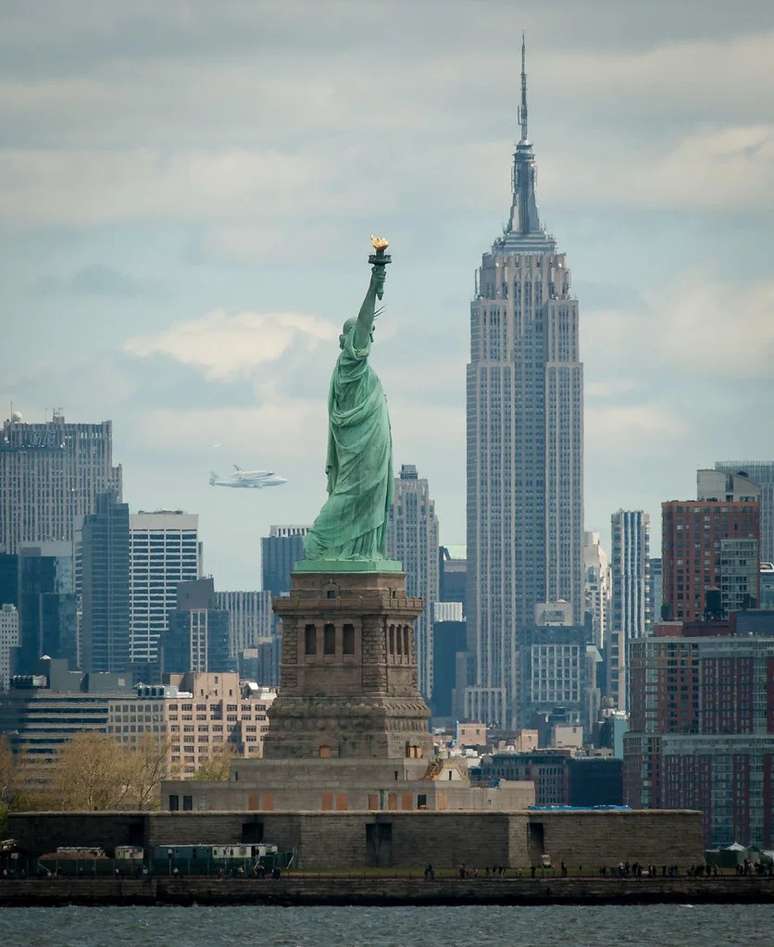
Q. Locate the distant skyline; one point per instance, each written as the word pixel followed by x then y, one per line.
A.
pixel 187 192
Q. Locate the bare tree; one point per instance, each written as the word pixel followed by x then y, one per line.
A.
pixel 92 772
pixel 7 772
pixel 149 766
pixel 217 767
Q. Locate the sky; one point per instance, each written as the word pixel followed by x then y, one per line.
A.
pixel 187 191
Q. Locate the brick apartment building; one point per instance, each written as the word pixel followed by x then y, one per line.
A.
pixel 709 545
pixel 702 725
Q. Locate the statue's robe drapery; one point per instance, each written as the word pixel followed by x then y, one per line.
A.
pixel 351 524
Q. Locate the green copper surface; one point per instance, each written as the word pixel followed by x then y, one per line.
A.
pixel 348 565
pixel 350 527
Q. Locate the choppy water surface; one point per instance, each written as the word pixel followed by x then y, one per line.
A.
pixel 674 925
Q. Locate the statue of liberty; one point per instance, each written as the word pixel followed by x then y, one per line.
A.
pixel 351 525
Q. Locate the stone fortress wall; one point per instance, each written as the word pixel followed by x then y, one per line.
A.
pixel 351 840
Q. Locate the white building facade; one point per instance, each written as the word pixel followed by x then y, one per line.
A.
pixel 524 445
pixel 630 606
pixel 596 586
pixel 9 639
pixel 163 551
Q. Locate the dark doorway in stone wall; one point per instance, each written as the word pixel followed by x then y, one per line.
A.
pixel 252 832
pixel 536 841
pixel 379 844
pixel 136 834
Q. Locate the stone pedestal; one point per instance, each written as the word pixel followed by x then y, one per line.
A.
pixel 348 679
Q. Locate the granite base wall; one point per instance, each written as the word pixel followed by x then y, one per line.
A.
pixel 298 891
pixel 647 836
pixel 333 840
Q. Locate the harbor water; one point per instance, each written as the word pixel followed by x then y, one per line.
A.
pixel 719 925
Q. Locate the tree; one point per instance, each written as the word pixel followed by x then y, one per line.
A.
pixel 95 772
pixel 217 767
pixel 7 772
pixel 150 765
pixel 7 780
pixel 21 786
pixel 92 772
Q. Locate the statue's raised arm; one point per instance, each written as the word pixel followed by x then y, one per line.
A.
pixel 351 524
pixel 365 318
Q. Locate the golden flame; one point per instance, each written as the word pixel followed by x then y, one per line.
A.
pixel 379 243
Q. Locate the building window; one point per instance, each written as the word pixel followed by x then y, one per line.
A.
pixel 399 636
pixel 406 640
pixel 174 803
pixel 392 640
pixel 422 801
pixel 348 639
pixel 311 639
pixel 187 803
pixel 329 639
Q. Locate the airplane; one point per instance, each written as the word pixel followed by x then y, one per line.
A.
pixel 255 479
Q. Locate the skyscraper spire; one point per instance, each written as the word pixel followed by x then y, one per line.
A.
pixel 524 217
pixel 522 112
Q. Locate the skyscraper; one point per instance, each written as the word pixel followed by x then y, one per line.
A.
pixel 47 608
pixel 9 639
pixel 250 618
pixel 280 551
pixel 9 579
pixel 630 604
pixel 596 587
pixel 105 587
pixel 524 443
pixel 197 635
pixel 452 574
pixel 656 591
pixel 412 537
pixel 163 551
pixel 50 475
pixel 760 472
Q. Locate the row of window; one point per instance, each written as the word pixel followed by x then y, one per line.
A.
pixel 311 644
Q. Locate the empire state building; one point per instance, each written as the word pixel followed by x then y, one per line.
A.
pixel 524 445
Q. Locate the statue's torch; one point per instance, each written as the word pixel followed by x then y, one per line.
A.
pixel 380 258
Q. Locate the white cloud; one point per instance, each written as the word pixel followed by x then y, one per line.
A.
pixel 718 329
pixel 283 428
pixel 702 73
pixel 227 346
pixel 699 326
pixel 612 388
pixel 89 186
pixel 632 427
pixel 252 145
pixel 714 169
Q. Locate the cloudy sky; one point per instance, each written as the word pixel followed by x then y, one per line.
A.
pixel 187 190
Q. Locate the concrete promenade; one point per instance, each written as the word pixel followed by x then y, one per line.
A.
pixel 383 891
